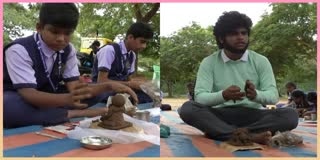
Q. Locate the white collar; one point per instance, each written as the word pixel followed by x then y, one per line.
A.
pixel 225 58
pixel 123 48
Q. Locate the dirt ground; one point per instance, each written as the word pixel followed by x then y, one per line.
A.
pixel 174 102
pixel 177 102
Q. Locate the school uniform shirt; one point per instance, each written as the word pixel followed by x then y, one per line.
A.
pixel 106 56
pixel 19 64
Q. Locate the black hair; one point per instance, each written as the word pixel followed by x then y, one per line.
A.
pixel 298 93
pixel 312 97
pixel 95 43
pixel 140 29
pixel 229 22
pixel 65 15
pixel 291 84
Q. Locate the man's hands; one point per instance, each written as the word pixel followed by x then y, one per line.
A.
pixel 233 92
pixel 250 90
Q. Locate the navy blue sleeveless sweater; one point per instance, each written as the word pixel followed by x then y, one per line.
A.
pixel 43 83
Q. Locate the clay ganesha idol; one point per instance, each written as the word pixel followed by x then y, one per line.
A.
pixel 114 118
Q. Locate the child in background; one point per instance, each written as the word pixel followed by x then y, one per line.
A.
pixel 190 87
pixel 95 48
pixel 290 86
pixel 299 102
pixel 312 101
pixel 116 62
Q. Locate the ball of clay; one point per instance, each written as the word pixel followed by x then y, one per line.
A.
pixel 240 137
pixel 118 100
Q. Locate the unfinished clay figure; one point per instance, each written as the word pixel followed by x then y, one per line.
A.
pixel 240 137
pixel 285 139
pixel 129 107
pixel 114 118
pixel 153 92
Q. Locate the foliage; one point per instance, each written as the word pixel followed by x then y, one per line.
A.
pixel 20 17
pixel 287 38
pixel 111 20
pixel 182 53
pixel 16 19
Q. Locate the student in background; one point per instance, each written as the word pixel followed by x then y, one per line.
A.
pixel 290 86
pixel 312 101
pixel 95 47
pixel 299 102
pixel 116 62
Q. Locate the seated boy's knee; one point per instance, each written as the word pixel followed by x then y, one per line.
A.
pixel 10 97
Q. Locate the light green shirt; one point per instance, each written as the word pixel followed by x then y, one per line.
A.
pixel 217 72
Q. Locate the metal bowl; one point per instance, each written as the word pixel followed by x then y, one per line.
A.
pixel 96 142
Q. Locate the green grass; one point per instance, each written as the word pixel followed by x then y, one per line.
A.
pixel 147 75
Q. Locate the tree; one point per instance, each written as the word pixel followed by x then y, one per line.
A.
pixel 147 17
pixel 113 19
pixel 21 17
pixel 150 11
pixel 16 19
pixel 182 53
pixel 287 38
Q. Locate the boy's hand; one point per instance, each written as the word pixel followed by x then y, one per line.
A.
pixel 120 88
pixel 80 92
pixel 233 93
pixel 135 84
pixel 250 90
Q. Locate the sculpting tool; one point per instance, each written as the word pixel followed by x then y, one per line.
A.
pixel 48 135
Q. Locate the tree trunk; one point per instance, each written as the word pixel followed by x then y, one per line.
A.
pixel 147 17
pixel 144 18
pixel 169 87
